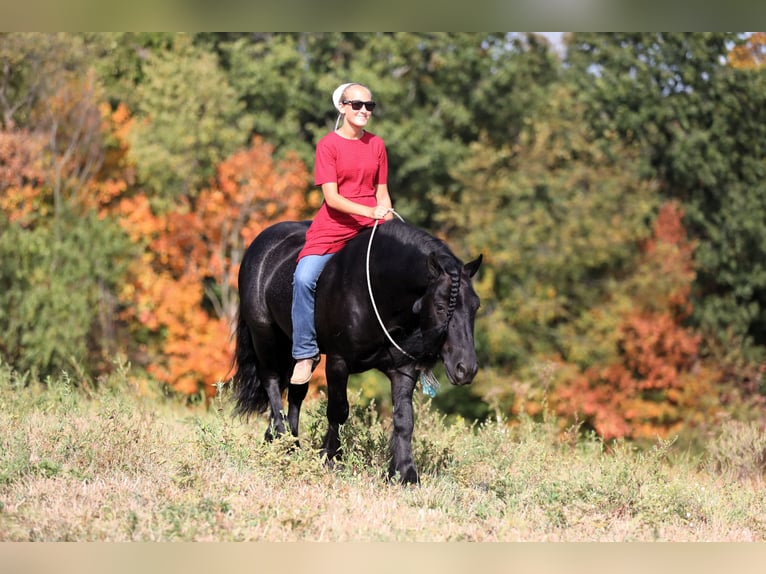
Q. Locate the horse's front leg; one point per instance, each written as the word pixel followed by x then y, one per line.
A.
pixel 402 387
pixel 337 406
pixel 295 396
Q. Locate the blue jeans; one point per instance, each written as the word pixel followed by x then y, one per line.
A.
pixel 304 287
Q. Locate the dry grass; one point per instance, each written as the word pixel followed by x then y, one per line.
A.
pixel 116 465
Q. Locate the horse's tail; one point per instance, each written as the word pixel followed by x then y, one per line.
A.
pixel 249 393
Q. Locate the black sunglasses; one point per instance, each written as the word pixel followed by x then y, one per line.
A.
pixel 357 104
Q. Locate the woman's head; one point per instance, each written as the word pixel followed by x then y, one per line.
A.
pixel 354 102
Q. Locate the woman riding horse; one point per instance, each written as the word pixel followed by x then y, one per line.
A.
pixel 352 169
pixel 288 313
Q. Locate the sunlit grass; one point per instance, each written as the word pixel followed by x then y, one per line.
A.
pixel 115 464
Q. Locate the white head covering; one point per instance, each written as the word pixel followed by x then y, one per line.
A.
pixel 336 96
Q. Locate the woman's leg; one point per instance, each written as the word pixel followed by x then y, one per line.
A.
pixel 304 332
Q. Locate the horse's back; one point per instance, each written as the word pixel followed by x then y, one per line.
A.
pixel 346 322
pixel 266 272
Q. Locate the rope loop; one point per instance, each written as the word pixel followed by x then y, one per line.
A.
pixel 369 289
pixel 428 380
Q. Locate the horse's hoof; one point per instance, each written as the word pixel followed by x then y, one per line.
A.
pixel 332 459
pixel 409 476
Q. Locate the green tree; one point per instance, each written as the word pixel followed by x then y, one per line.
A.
pixel 188 119
pixel 120 60
pixel 436 93
pixel 559 217
pixel 57 294
pixel 702 124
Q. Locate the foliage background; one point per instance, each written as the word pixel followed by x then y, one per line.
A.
pixel 616 191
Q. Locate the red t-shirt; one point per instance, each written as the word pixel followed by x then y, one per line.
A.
pixel 358 167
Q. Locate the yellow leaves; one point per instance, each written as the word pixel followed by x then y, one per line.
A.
pixel 550 293
pixel 20 203
pixel 136 217
pixel 121 118
pixel 103 193
pixel 751 55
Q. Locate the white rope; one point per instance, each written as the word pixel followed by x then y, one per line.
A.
pixel 369 288
pixel 427 380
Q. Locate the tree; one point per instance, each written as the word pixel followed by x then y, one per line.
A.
pixel 559 217
pixel 55 294
pixel 49 97
pixel 60 262
pixel 702 123
pixel 750 54
pixel 21 175
pixel 188 119
pixel 252 191
pixel 181 299
pixel 655 381
pixel 31 64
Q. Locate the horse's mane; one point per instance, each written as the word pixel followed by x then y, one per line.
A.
pixel 412 240
pixel 419 240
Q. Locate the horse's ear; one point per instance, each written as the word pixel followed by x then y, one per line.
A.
pixel 417 306
pixel 473 266
pixel 434 267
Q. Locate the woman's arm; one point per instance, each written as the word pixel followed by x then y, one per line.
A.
pixel 335 200
pixel 384 199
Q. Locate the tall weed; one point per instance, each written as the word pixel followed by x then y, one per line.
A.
pixel 738 450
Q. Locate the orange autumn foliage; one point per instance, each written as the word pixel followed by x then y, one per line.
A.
pixel 60 158
pixel 657 382
pixel 21 174
pixel 251 192
pixel 117 175
pixel 181 297
pixel 183 291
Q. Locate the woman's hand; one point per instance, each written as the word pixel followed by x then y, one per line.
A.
pixel 380 212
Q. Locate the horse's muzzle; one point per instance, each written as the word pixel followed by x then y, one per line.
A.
pixel 461 373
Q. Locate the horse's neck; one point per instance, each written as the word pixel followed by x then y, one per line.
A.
pixel 407 262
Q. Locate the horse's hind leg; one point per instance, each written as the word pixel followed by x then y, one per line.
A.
pixel 337 407
pixel 270 382
pixel 273 349
pixel 277 417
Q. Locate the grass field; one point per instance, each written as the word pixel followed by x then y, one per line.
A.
pixel 117 464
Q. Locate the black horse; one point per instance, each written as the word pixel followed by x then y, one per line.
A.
pixel 423 295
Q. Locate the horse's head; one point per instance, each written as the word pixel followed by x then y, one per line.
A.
pixel 447 312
